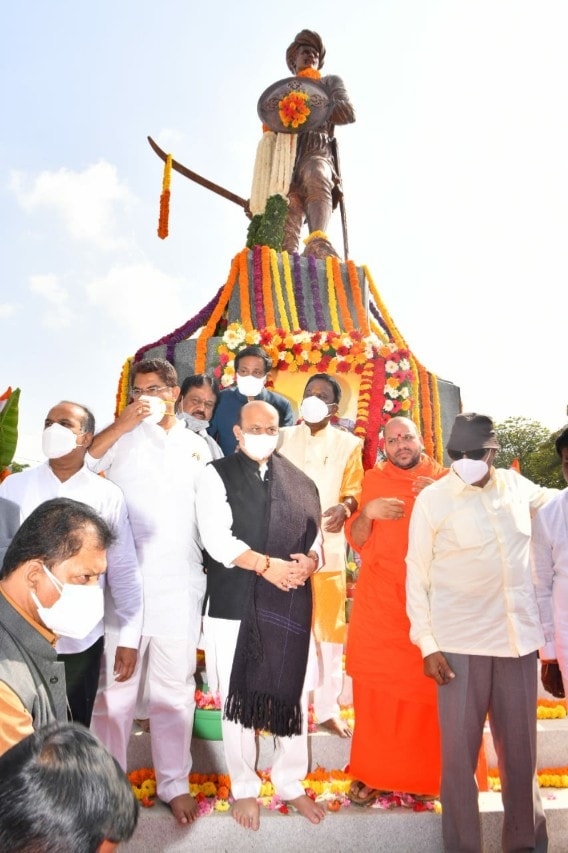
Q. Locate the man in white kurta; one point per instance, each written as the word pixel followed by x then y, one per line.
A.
pixel 549 552
pixel 155 464
pixel 66 476
pixel 332 458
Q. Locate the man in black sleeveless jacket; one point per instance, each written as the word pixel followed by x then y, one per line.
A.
pixel 259 519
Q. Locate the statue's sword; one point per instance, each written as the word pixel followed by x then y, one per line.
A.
pixel 199 179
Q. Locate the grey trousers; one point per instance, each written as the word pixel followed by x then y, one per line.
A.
pixel 505 689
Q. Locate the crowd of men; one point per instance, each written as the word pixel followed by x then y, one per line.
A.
pixel 220 523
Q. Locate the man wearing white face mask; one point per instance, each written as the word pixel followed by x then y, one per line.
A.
pixel 474 615
pixel 252 366
pixel 332 458
pixel 264 544
pixel 195 407
pixel 68 433
pixel 154 459
pixel 49 585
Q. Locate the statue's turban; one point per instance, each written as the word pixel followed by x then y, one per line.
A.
pixel 305 37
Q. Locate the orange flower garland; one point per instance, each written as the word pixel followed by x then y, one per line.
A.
pixel 426 410
pixel 122 394
pixel 312 73
pixel 347 322
pixel 202 341
pixel 357 298
pixel 294 109
pixel 163 222
pixel 244 291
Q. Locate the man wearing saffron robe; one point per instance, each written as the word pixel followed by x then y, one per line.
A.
pixel 396 742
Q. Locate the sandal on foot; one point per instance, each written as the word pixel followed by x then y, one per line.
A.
pixel 355 789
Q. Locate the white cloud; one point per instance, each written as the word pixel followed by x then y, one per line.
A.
pixel 140 299
pixel 86 201
pixel 58 314
pixel 7 309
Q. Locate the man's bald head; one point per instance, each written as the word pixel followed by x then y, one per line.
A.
pixel 403 443
pixel 257 429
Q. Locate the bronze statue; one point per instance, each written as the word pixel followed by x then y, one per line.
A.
pixel 314 189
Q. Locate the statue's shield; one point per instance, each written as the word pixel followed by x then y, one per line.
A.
pixel 306 109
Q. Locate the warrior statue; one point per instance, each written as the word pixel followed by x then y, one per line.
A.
pixel 314 187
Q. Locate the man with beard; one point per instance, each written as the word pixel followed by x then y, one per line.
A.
pixel 396 741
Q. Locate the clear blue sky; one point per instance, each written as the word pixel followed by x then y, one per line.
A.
pixel 455 175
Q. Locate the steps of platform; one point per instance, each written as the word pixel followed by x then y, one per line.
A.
pixel 349 829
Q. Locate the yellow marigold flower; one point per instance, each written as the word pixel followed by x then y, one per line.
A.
pixel 392 382
pixel 293 368
pixel 288 341
pixel 267 789
pixel 406 405
pixel 209 789
pixel 222 806
pixel 314 356
pixel 148 788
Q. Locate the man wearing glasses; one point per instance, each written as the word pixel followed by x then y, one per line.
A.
pixel 154 459
pixel 195 407
pixel 474 615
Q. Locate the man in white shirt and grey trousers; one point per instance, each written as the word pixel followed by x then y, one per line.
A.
pixel 473 613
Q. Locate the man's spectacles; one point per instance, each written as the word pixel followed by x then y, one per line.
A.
pixel 152 390
pixel 193 401
pixel 477 455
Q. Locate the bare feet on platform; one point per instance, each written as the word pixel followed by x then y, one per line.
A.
pixel 336 726
pixel 314 812
pixel 184 808
pixel 246 812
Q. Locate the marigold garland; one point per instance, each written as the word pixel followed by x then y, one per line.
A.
pixel 201 347
pixel 123 392
pixel 294 109
pixel 312 73
pixel 426 410
pixel 164 219
pixel 244 291
pixel 437 421
pixel 362 320
pixel 331 296
pixel 394 333
pixel 346 318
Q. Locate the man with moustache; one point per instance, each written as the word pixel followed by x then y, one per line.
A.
pixel 195 407
pixel 68 432
pixel 49 586
pixel 396 741
pixel 252 366
pixel 154 459
pixel 263 545
pixel 332 458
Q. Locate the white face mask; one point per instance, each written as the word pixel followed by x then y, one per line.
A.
pixel 313 410
pixel 77 610
pixel 259 447
pixel 157 408
pixel 470 470
pixel 57 441
pixel 195 424
pixel 250 386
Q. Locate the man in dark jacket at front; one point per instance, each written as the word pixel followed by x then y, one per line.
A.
pixel 49 585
